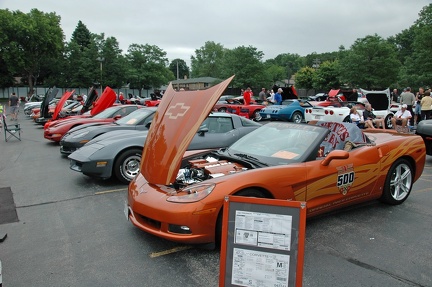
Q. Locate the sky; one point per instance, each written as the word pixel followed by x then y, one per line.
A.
pixel 272 26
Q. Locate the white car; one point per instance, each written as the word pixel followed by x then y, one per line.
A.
pixel 381 104
pixel 334 114
pixel 380 101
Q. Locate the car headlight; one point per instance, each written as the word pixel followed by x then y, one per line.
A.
pixel 192 193
pixel 81 134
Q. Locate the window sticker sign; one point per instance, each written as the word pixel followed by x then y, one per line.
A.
pixel 263 229
pixel 255 268
pixel 262 242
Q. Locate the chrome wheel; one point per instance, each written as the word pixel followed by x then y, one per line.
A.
pixel 257 116
pixel 398 182
pixel 128 165
pixel 297 117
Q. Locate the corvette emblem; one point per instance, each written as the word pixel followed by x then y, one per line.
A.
pixel 179 110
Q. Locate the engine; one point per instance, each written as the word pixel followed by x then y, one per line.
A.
pixel 202 169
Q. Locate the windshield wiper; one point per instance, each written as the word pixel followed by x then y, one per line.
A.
pixel 251 159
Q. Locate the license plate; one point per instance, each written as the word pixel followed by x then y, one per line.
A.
pixel 317 117
pixel 126 210
pixel 267 116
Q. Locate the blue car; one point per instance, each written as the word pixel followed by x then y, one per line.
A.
pixel 291 110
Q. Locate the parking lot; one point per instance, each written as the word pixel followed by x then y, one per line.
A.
pixel 70 230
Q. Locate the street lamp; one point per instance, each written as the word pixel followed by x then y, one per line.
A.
pixel 100 59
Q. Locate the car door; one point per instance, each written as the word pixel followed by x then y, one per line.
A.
pixel 338 177
pixel 343 180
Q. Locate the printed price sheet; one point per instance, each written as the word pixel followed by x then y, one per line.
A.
pixel 255 268
pixel 263 229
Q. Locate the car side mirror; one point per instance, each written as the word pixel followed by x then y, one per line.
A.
pixel 148 125
pixel 336 154
pixel 201 132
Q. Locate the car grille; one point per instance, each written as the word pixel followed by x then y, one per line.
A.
pixel 67 149
pixel 149 222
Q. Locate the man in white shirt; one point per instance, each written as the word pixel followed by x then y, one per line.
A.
pixel 401 117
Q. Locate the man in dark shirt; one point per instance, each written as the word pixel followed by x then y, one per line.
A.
pixel 14 105
pixel 369 115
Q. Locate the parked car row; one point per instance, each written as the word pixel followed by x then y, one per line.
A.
pixel 181 160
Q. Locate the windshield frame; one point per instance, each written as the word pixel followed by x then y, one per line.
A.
pixel 280 143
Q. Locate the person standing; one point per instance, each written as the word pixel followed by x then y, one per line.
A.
pixel 271 96
pixel 278 97
pixel 14 106
pixel 426 106
pixel 247 95
pixel 262 95
pixel 408 99
pixel 395 96
pixel 417 105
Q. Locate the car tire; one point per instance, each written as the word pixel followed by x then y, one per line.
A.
pixel 388 122
pixel 127 165
pixel 398 182
pixel 297 117
pixel 256 116
pixel 222 110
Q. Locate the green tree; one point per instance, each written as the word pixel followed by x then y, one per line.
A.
pixel 29 40
pixel 274 73
pixel 113 63
pixel 327 76
pixel 208 60
pixel 147 67
pixel 247 66
pixel 82 65
pixel 179 68
pixel 290 62
pixel 371 63
pixel 82 36
pixel 416 70
pixel 304 78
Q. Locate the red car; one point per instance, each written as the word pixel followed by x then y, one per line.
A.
pixel 56 131
pixel 99 113
pixel 236 106
pixel 152 103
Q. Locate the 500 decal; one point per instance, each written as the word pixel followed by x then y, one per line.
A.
pixel 345 178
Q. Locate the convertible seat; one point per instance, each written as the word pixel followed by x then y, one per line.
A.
pixel 11 130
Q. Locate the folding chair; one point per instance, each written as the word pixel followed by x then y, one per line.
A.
pixel 11 130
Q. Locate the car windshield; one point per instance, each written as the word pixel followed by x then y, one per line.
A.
pixel 107 113
pixel 278 143
pixel 135 117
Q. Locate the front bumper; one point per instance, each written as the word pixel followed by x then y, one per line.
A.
pixel 86 164
pixel 149 210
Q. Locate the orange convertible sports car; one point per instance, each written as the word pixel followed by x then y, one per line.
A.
pixel 179 196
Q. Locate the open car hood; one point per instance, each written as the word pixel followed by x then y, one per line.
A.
pixel 60 104
pixel 175 123
pixel 91 97
pixel 49 96
pixel 333 93
pixel 380 100
pixel 106 100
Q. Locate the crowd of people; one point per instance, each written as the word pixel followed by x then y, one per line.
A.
pixel 265 96
pixel 413 109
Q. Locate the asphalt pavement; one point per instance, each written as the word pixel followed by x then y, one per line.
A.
pixel 71 231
